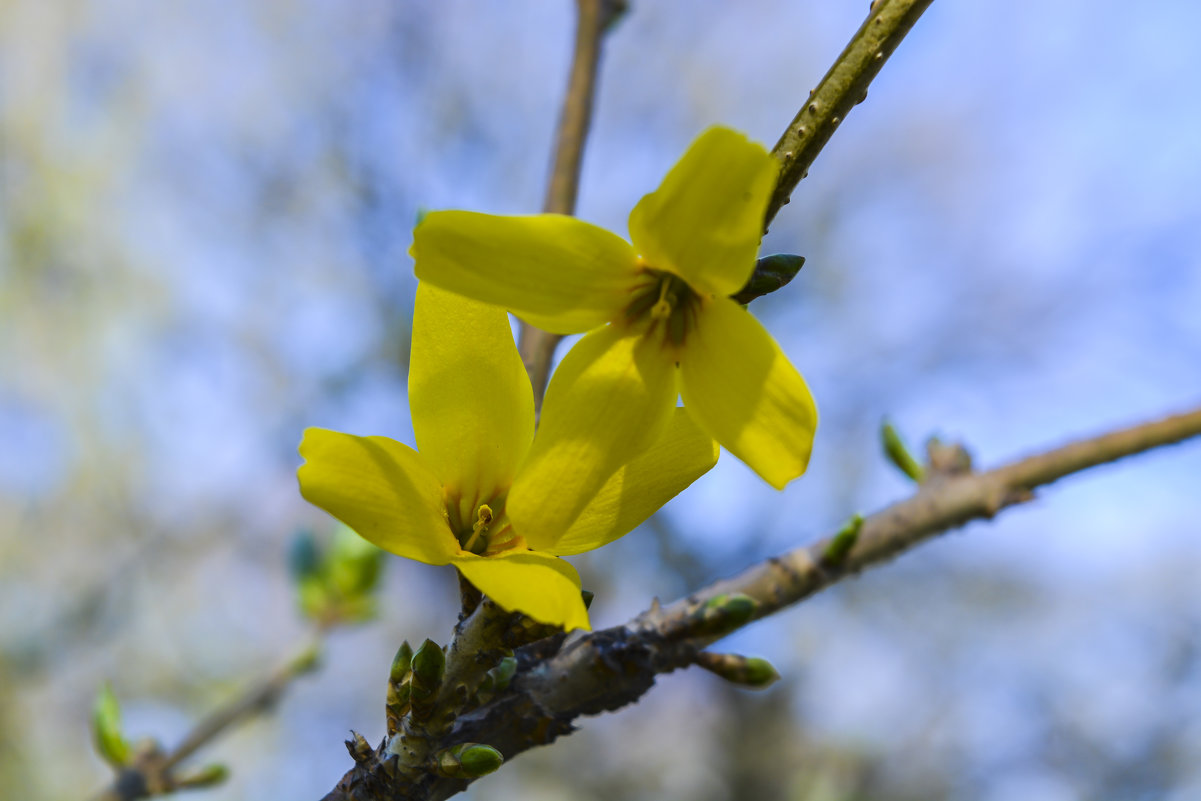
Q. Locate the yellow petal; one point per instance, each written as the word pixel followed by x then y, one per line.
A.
pixel 680 456
pixel 381 489
pixel 562 274
pixel 705 220
pixel 536 584
pixel 473 410
pixel 743 390
pixel 606 403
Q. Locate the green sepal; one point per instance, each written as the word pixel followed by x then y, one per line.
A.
pixel 468 761
pixel 842 542
pixel 770 273
pixel 106 728
pixel 723 614
pixel 587 595
pixel 898 454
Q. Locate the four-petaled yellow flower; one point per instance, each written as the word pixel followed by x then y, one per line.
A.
pixel 473 420
pixel 658 313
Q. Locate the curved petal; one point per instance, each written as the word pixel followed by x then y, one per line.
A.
pixel 562 274
pixel 379 488
pixel 536 584
pixel 743 390
pixel 472 406
pixel 635 492
pixel 705 220
pixel 606 403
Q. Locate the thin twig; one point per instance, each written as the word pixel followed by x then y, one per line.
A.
pixel 152 771
pixel 841 89
pixel 938 507
pixel 594 18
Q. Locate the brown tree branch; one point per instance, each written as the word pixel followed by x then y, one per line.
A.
pixel 594 18
pixel 605 670
pixel 844 86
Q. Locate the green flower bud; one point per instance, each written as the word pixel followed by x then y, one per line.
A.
pixel 106 728
pixel 468 761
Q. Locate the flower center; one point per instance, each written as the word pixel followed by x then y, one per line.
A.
pixel 664 303
pixel 491 531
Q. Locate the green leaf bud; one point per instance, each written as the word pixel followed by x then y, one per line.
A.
pixel 898 454
pixel 314 598
pixel 427 665
pixel 723 614
pixel 503 673
pixel 304 555
pixel 208 776
pixel 401 663
pixel 745 671
pixel 842 542
pixel 106 728
pixel 354 564
pixel 468 761
pixel 770 273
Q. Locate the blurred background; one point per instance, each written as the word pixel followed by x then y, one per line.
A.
pixel 204 218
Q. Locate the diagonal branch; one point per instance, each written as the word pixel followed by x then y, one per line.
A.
pixel 609 669
pixel 844 86
pixel 594 18
pixel 154 772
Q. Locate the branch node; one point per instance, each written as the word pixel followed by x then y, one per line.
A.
pixel 948 460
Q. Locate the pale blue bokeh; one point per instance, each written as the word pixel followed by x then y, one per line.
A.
pixel 1002 247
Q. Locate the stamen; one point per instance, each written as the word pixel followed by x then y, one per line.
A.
pixel 662 309
pixel 481 526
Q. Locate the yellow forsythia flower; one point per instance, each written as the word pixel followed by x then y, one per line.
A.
pixel 660 319
pixel 473 419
